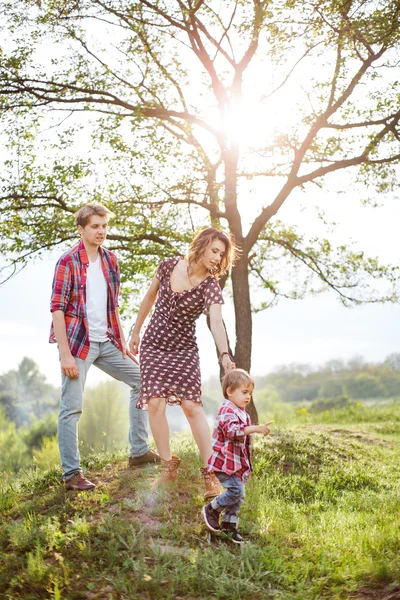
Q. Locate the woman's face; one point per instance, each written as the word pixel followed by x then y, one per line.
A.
pixel 213 254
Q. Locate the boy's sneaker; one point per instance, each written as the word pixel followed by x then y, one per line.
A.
pixel 211 517
pixel 234 535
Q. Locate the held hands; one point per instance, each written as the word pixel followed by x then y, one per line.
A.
pixel 227 363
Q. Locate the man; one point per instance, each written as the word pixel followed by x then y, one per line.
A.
pixel 87 328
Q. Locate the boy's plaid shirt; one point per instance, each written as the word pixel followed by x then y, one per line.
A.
pixel 231 447
pixel 69 295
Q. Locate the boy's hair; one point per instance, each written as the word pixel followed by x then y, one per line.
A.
pixel 93 208
pixel 234 379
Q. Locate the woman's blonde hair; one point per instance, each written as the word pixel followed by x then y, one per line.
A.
pixel 234 379
pixel 203 239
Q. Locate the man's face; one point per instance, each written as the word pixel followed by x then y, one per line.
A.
pixel 95 232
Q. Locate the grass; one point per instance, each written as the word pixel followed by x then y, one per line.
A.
pixel 320 519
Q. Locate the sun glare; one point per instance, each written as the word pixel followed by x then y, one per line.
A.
pixel 249 125
pixel 256 124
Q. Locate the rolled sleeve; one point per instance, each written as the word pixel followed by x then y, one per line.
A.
pixel 233 429
pixel 61 289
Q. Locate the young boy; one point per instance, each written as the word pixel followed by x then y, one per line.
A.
pixel 230 460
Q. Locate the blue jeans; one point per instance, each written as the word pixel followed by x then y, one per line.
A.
pixel 109 359
pixel 232 499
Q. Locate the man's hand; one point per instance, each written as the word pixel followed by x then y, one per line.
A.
pixel 125 348
pixel 69 367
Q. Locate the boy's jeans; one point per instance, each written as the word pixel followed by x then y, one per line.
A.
pixel 232 499
pixel 109 359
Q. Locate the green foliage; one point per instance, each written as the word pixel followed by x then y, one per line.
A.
pixel 48 457
pixel 13 451
pixel 46 428
pixel 25 395
pixel 158 116
pixel 355 379
pixel 323 404
pixel 104 423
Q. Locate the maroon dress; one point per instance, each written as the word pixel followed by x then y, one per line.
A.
pixel 169 356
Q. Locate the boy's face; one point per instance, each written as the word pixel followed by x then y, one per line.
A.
pixel 95 231
pixel 241 395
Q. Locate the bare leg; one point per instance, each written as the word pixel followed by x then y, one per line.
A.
pixel 159 426
pixel 200 428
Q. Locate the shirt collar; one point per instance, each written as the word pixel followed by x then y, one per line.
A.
pixel 239 412
pixel 83 254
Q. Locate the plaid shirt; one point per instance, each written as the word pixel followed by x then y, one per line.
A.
pixel 69 295
pixel 231 447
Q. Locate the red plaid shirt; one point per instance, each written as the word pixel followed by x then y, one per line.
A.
pixel 69 295
pixel 231 447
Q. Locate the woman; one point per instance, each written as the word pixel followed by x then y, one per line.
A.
pixel 169 357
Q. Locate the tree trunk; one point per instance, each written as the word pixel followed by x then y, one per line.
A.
pixel 243 322
pixel 240 273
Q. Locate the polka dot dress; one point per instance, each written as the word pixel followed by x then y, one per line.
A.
pixel 169 356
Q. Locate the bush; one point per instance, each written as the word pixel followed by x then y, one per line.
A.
pixel 48 456
pixel 322 404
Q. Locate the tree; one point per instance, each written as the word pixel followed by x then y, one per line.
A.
pixel 46 429
pixel 161 86
pixel 24 393
pixel 365 385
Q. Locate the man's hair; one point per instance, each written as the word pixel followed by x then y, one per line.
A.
pixel 93 208
pixel 234 379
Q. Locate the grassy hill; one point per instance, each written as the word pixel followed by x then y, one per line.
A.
pixel 321 519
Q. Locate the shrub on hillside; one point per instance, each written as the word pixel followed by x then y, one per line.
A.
pixel 322 404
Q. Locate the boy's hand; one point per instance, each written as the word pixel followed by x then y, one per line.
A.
pixel 264 429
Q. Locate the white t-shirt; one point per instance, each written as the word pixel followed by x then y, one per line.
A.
pixel 96 301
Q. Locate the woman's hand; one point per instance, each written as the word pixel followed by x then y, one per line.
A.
pixel 227 363
pixel 134 343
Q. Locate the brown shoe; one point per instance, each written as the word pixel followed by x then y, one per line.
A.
pixel 80 483
pixel 213 486
pixel 149 457
pixel 169 470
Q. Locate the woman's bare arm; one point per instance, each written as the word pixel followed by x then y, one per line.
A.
pixel 144 309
